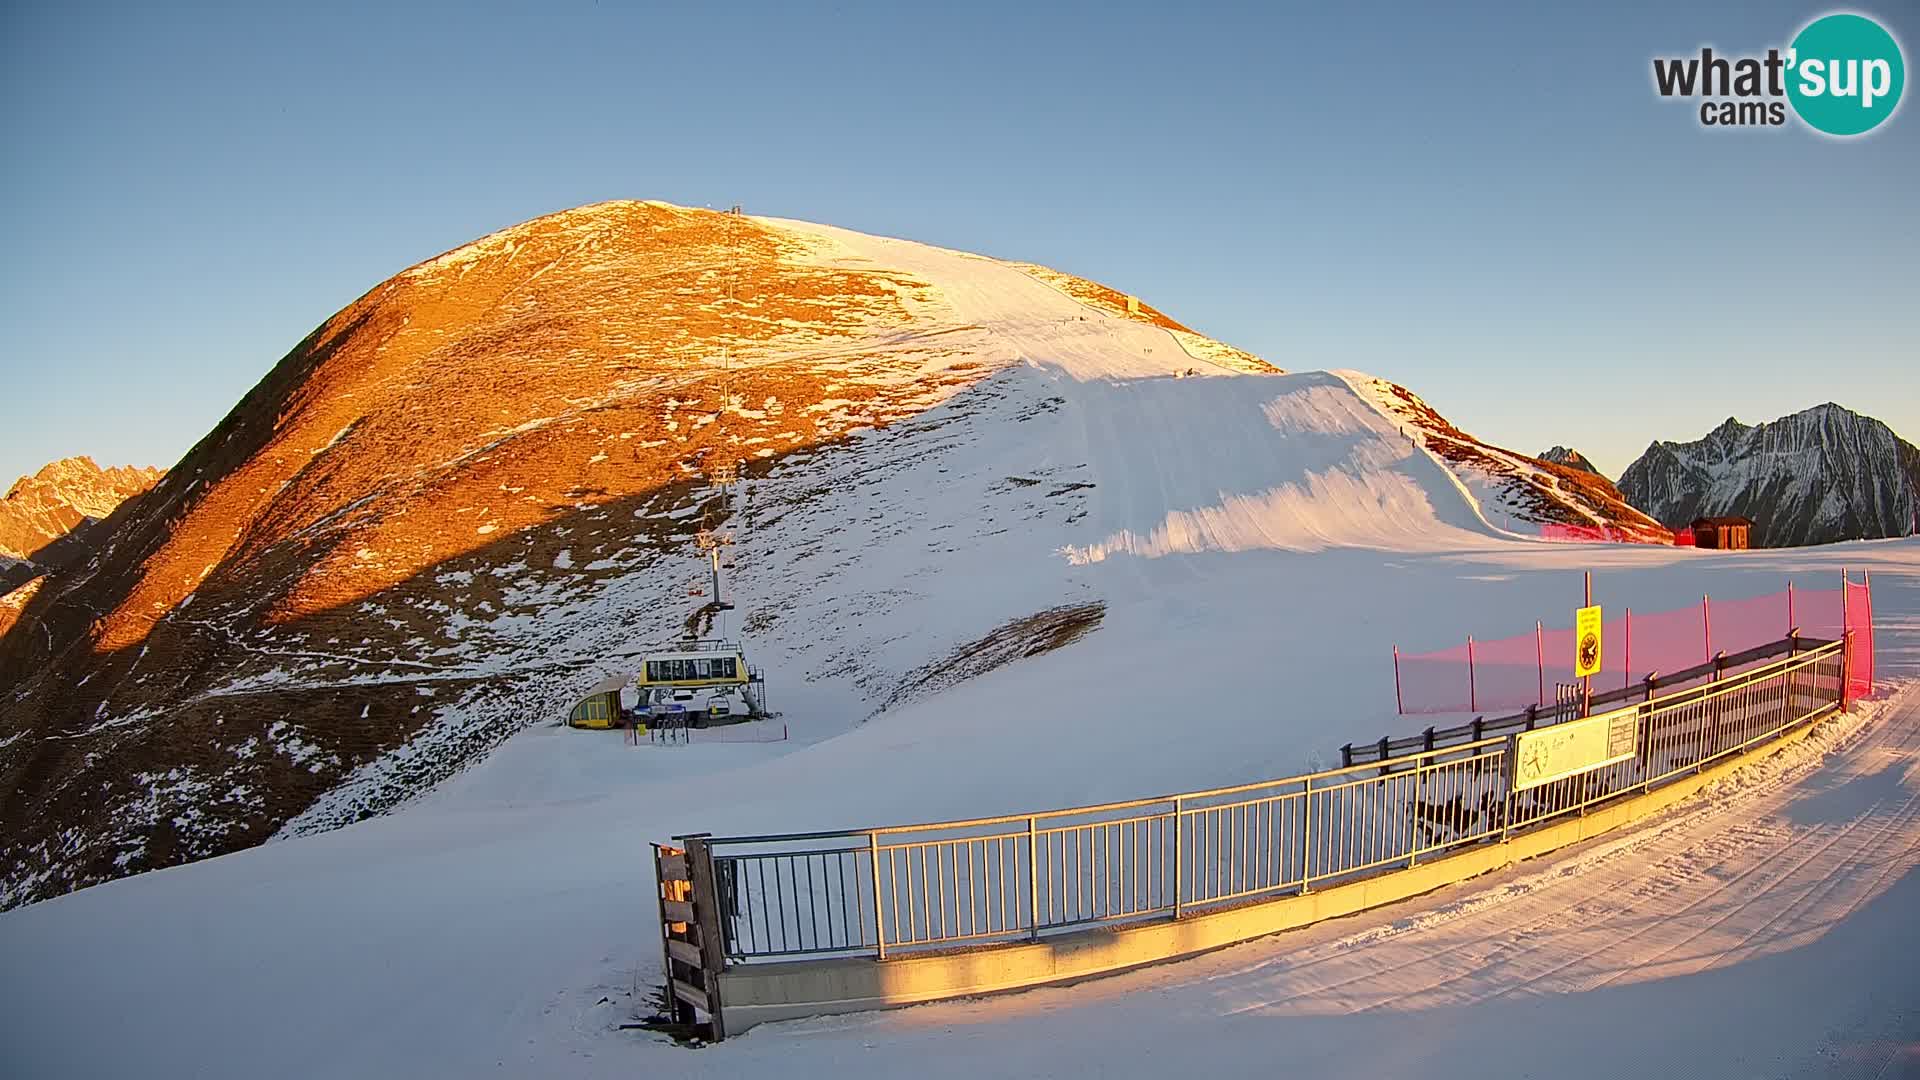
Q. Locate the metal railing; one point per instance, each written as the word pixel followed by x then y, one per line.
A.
pixel 1002 879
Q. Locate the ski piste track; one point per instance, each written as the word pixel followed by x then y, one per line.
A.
pixel 1764 928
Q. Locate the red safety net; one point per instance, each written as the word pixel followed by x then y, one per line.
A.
pixel 1683 537
pixel 1522 670
pixel 1859 615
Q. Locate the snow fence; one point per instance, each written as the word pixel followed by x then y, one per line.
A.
pixel 1522 670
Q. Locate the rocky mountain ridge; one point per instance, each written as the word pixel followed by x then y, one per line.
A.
pixel 1820 475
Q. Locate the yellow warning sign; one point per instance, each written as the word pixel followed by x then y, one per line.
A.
pixel 1586 642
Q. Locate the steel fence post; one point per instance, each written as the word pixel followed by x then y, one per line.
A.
pixel 1846 670
pixel 1033 877
pixel 1306 835
pixel 879 924
pixel 1508 760
pixel 1413 817
pixel 1178 862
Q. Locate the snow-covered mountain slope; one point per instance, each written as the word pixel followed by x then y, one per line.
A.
pixel 1571 458
pixel 501 924
pixel 1820 475
pixel 471 495
pixel 1516 493
pixel 63 496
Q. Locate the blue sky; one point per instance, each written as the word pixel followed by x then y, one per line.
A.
pixel 1487 202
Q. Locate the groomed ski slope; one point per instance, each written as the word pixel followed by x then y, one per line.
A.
pixel 1765 929
pixel 1259 542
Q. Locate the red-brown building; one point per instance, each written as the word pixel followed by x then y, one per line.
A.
pixel 1724 533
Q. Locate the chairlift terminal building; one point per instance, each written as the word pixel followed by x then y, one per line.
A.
pixel 702 664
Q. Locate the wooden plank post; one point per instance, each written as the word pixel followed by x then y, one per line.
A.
pixel 1706 626
pixel 706 909
pixel 670 871
pixel 1540 658
pixel 1626 669
pixel 1473 692
pixel 1399 706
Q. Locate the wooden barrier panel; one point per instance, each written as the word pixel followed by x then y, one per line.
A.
pixel 691 953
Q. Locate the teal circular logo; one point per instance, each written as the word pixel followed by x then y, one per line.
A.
pixel 1845 74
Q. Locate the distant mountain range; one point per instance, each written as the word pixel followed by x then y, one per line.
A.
pixel 48 519
pixel 1818 476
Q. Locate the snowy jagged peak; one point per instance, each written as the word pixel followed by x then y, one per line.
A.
pixel 63 495
pixel 1823 474
pixel 1572 459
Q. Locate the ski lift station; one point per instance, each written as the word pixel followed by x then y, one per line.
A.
pixel 709 681
pixel 697 683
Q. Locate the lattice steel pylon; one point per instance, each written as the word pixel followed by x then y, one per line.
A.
pixel 723 472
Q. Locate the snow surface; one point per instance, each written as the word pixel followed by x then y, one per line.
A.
pixel 1259 543
pixel 502 924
